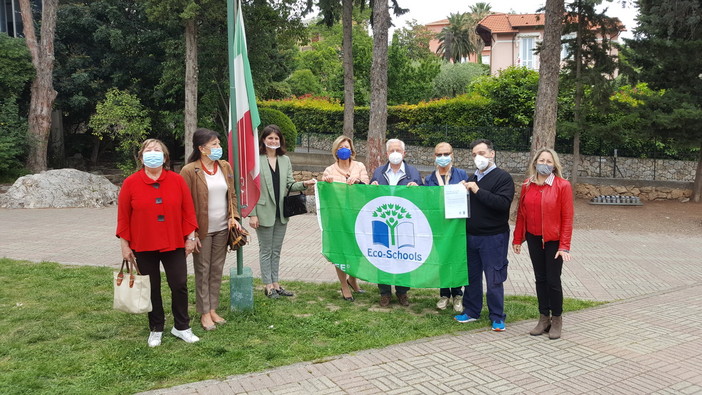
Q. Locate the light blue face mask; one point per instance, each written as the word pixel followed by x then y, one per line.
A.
pixel 152 159
pixel 215 153
pixel 442 161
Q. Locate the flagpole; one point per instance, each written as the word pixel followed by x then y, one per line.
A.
pixel 234 137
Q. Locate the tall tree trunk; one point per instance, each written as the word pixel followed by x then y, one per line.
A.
pixel 191 81
pixel 347 49
pixel 42 91
pixel 379 85
pixel 544 134
pixel 577 57
pixel 697 186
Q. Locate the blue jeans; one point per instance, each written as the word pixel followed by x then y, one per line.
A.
pixel 486 254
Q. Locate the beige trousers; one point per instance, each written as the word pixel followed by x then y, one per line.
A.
pixel 208 264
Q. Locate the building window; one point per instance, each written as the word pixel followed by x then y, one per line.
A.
pixel 527 45
pixel 10 18
pixel 565 50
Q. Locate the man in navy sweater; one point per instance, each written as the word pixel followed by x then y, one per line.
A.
pixel 395 172
pixel 491 193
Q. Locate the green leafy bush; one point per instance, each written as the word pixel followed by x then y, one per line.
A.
pixel 453 78
pixel 271 116
pixel 303 82
pixel 122 118
pixel 13 139
pixel 513 94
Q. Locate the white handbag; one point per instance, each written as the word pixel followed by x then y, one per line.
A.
pixel 132 290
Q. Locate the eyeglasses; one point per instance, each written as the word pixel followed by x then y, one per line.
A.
pixel 444 154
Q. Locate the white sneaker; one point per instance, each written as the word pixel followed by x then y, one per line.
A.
pixel 187 335
pixel 443 303
pixel 155 339
pixel 458 304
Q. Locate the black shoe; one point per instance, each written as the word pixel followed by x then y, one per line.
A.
pixel 272 294
pixel 348 299
pixel 359 290
pixel 282 292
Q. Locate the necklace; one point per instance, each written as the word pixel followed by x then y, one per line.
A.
pixel 214 171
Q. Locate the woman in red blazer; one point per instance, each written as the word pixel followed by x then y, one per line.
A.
pixel 545 220
pixel 156 225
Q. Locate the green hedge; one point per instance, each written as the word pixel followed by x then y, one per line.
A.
pixel 322 116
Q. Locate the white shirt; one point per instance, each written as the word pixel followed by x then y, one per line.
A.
pixel 217 211
pixel 393 176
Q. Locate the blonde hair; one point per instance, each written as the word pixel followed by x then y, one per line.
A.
pixel 166 155
pixel 337 143
pixel 441 144
pixel 557 168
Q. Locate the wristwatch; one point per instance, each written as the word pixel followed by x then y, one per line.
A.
pixel 192 238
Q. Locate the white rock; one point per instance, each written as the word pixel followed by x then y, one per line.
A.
pixel 60 189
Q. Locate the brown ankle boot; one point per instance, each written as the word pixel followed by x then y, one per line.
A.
pixel 556 326
pixel 543 326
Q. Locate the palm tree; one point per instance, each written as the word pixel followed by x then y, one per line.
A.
pixel 478 11
pixel 456 39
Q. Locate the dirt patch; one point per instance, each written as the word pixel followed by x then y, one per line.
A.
pixel 665 216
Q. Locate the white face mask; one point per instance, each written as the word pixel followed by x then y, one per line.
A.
pixel 481 162
pixel 395 158
pixel 273 146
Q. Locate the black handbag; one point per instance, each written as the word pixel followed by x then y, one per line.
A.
pixel 294 205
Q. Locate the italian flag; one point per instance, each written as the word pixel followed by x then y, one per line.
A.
pixel 394 235
pixel 247 121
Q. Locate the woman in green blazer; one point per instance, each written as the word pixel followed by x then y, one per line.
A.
pixel 267 217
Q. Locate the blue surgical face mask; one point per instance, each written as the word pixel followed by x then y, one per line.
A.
pixel 343 153
pixel 215 153
pixel 442 161
pixel 152 159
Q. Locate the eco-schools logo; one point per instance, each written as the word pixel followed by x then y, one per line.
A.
pixel 393 234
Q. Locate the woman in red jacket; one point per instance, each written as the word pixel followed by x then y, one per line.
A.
pixel 156 225
pixel 545 220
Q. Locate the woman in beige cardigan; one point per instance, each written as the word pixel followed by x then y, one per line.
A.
pixel 347 170
pixel 211 183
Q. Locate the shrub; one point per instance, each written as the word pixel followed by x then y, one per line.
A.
pixel 122 118
pixel 454 78
pixel 513 94
pixel 13 139
pixel 303 82
pixel 271 116
pixel 278 90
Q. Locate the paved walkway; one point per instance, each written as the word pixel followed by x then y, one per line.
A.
pixel 648 341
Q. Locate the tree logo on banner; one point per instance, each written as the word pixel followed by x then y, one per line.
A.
pixel 393 234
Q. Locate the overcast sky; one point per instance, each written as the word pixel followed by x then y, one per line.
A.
pixel 425 11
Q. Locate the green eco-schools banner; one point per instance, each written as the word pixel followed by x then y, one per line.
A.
pixel 392 234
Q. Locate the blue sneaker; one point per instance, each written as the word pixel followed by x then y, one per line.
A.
pixel 498 326
pixel 464 318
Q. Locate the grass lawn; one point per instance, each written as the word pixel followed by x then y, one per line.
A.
pixel 59 334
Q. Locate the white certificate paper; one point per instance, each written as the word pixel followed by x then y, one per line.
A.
pixel 456 201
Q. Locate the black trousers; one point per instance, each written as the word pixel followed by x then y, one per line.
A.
pixel 386 289
pixel 449 292
pixel 547 272
pixel 177 275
